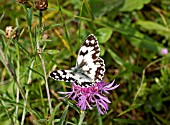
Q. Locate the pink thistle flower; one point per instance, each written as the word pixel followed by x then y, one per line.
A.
pixel 91 96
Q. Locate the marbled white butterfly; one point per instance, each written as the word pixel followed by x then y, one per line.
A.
pixel 89 67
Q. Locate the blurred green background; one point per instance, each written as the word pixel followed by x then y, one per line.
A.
pixel 132 35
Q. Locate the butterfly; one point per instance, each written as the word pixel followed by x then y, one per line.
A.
pixel 89 67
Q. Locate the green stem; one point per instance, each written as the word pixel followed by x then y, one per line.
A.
pixel 27 92
pixel 42 61
pixel 18 84
pixel 28 12
pixel 7 111
pixel 40 19
pixel 143 75
pixel 18 75
pixel 82 116
pixel 42 100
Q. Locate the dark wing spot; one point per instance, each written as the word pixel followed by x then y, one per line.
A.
pixel 71 79
pixel 64 72
pixel 88 43
pixel 91 37
pixel 94 56
pixel 100 69
pixel 54 74
pixel 83 53
pixel 86 84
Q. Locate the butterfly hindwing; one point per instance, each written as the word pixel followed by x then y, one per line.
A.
pixel 89 67
pixel 62 75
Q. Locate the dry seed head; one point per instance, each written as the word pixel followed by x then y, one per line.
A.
pixel 8 31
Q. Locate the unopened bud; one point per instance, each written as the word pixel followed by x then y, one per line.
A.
pixel 41 4
pixel 22 1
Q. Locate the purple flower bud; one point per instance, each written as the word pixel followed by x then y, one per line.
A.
pixel 164 51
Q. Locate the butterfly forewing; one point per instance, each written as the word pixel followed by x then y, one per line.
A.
pixel 89 49
pixel 88 59
pixel 89 67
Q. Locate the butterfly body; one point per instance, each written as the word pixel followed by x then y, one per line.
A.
pixel 89 67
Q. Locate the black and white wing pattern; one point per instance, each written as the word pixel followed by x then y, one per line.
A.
pixel 89 67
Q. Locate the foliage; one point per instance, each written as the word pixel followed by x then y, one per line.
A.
pixel 131 35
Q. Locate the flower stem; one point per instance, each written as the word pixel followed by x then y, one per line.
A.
pixel 18 76
pixel 26 94
pixel 82 116
pixel 42 61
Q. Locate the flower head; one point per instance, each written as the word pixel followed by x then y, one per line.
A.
pixel 41 4
pixel 92 96
pixel 164 51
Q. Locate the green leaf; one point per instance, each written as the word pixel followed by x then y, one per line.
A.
pixel 51 26
pixel 103 34
pixel 72 105
pixel 102 50
pixel 130 108
pixel 130 5
pixel 156 101
pixel 2 16
pixel 11 102
pixel 129 121
pixel 29 15
pixel 158 28
pixel 54 112
pixel 139 39
pixel 2 32
pixel 62 119
pixel 116 58
pixel 101 7
pixel 51 52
